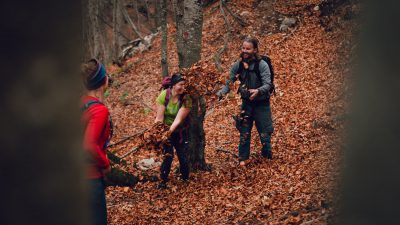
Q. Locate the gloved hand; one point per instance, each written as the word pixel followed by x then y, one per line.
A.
pixel 221 93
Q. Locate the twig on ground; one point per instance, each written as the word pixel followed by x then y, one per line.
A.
pixel 237 18
pixel 220 149
pixel 127 138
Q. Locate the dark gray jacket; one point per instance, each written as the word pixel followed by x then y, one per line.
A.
pixel 251 80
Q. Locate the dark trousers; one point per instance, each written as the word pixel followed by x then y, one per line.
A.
pixel 179 141
pixel 98 202
pixel 260 113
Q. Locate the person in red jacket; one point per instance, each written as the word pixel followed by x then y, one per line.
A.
pixel 98 132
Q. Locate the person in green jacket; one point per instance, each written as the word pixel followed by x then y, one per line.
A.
pixel 173 108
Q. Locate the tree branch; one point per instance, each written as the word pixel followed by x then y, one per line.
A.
pixel 237 18
pixel 106 23
pixel 134 28
pixel 133 150
pixel 219 149
pixel 127 138
pixel 227 38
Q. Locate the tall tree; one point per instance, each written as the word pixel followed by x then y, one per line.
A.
pixel 164 39
pixel 118 8
pixel 189 23
pixel 93 29
pixel 134 27
pixel 156 14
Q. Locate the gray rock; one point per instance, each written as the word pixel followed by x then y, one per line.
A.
pixel 146 164
pixel 245 14
pixel 283 27
pixel 290 22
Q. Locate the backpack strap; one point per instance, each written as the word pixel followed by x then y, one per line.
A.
pixel 257 70
pixel 90 103
pixel 168 97
pixel 93 102
pixel 240 69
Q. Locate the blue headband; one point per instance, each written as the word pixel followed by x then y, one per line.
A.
pixel 98 77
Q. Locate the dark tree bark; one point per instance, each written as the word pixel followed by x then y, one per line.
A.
pixel 180 27
pixel 164 39
pixel 93 30
pixel 118 8
pixel 134 27
pixel 147 10
pixel 197 139
pixel 156 15
pixel 41 165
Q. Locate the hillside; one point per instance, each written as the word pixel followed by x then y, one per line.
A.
pixel 311 64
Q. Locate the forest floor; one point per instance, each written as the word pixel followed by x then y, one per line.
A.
pixel 311 62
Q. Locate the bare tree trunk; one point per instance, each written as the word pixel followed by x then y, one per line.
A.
pixel 227 38
pixel 147 10
pixel 137 12
pixel 95 30
pixel 197 140
pixel 189 23
pixel 156 15
pixel 117 21
pixel 192 35
pixel 164 40
pixel 87 42
pixel 134 28
pixel 180 27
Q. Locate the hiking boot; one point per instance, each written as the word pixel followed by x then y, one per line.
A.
pixel 267 155
pixel 184 178
pixel 185 181
pixel 162 186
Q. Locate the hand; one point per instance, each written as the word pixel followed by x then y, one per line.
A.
pixel 165 137
pixel 168 134
pixel 253 93
pixel 157 122
pixel 220 95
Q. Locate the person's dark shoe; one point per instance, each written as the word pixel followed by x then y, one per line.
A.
pixel 267 155
pixel 162 186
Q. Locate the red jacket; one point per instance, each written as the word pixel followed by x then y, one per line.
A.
pixel 95 119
